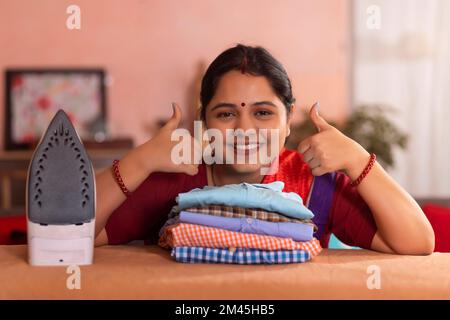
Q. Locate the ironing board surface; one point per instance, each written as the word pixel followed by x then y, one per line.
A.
pixel 148 272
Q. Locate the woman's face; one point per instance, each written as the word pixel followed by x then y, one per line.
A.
pixel 243 101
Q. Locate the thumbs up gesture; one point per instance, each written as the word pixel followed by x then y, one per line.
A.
pixel 157 151
pixel 330 150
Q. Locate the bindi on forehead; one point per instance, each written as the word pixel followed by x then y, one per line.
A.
pixel 242 104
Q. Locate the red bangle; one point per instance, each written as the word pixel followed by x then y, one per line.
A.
pixel 369 166
pixel 119 180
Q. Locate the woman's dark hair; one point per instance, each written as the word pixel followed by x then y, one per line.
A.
pixel 256 61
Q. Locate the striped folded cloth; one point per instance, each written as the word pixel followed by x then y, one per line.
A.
pixel 193 235
pixel 239 212
pixel 234 212
pixel 238 256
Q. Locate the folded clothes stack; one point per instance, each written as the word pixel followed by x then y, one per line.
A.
pixel 240 223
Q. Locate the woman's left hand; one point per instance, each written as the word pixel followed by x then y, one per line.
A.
pixel 330 150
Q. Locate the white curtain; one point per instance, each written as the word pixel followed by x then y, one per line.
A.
pixel 404 62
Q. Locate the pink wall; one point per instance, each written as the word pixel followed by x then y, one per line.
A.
pixel 156 49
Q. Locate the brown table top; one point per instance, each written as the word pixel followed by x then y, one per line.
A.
pixel 148 272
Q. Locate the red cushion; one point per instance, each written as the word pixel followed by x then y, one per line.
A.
pixel 439 218
pixel 10 226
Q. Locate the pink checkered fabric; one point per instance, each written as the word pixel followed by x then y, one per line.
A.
pixel 193 235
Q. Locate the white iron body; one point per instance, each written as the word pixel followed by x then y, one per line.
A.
pixel 60 245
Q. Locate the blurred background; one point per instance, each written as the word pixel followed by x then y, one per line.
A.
pixel 380 69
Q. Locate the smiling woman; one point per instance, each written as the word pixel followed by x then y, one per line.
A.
pixel 253 77
pixel 264 115
pixel 246 88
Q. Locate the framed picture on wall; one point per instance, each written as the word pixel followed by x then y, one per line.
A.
pixel 33 96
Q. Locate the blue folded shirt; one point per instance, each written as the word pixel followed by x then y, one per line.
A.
pixel 296 231
pixel 238 256
pixel 269 197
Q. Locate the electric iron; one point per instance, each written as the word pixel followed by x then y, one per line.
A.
pixel 60 199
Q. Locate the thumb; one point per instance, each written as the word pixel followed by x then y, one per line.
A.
pixel 320 123
pixel 174 121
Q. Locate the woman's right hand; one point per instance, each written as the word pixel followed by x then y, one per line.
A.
pixel 151 156
pixel 156 154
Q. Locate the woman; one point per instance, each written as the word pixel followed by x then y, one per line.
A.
pixel 247 88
